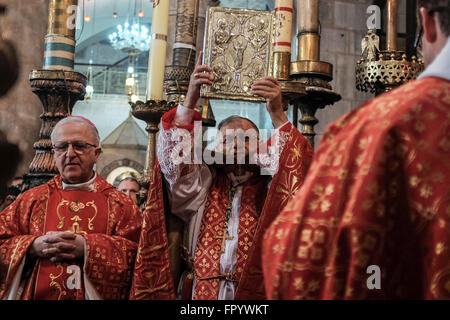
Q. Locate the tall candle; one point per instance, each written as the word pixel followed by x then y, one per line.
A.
pixel 392 17
pixel 283 25
pixel 308 15
pixel 308 30
pixel 158 46
pixel 283 38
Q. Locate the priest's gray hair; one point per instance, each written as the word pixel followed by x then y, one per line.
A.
pixel 64 121
pixel 236 118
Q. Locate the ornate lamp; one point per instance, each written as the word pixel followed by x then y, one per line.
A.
pixel 380 71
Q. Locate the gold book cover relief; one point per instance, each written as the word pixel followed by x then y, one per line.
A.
pixel 238 48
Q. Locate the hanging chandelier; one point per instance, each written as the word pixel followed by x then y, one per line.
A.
pixel 133 38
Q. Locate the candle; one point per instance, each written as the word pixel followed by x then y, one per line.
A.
pixel 283 25
pixel 283 38
pixel 392 15
pixel 308 30
pixel 157 55
pixel 60 39
pixel 308 15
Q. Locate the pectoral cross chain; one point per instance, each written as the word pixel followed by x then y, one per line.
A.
pixel 224 238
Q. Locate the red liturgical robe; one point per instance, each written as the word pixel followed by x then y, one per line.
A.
pixel 259 207
pixel 372 220
pixel 107 219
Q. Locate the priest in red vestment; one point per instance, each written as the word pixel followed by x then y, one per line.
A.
pixel 74 237
pixel 372 219
pixel 225 208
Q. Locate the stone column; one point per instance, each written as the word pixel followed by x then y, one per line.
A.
pixel 57 86
pixel 184 50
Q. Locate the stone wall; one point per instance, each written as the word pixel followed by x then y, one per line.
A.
pixel 343 27
pixel 25 24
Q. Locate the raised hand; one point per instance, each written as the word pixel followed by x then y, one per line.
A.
pixel 201 75
pixel 268 88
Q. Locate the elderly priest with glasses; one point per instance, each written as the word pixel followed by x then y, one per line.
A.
pixel 73 238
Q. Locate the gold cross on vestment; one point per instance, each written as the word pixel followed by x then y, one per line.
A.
pixel 224 238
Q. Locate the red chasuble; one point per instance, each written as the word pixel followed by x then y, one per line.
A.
pixel 372 218
pixel 152 276
pixel 209 245
pixel 106 218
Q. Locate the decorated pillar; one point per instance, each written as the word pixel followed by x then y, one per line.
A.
pixel 57 86
pixel 60 39
pixel 184 51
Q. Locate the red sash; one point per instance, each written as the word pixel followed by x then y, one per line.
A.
pixel 208 252
pixel 79 212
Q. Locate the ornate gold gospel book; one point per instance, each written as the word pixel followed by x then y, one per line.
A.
pixel 238 48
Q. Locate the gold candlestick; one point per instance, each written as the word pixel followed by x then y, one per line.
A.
pixel 314 74
pixel 392 21
pixel 150 112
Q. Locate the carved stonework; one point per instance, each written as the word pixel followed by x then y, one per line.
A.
pixel 58 92
pixel 185 24
pixel 238 48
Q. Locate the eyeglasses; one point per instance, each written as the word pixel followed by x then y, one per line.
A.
pixel 418 40
pixel 79 147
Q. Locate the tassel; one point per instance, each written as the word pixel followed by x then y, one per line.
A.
pixel 187 287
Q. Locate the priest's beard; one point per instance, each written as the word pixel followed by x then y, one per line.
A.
pixel 236 168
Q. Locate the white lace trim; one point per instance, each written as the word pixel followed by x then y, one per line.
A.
pixel 269 161
pixel 169 151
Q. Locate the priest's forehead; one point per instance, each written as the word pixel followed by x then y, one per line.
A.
pixel 78 127
pixel 237 122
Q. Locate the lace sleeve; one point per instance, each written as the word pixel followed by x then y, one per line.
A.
pixel 269 159
pixel 174 153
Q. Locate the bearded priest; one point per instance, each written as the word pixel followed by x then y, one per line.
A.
pixel 225 208
pixel 372 218
pixel 74 237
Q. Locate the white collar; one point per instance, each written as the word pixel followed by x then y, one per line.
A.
pixel 84 186
pixel 440 67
